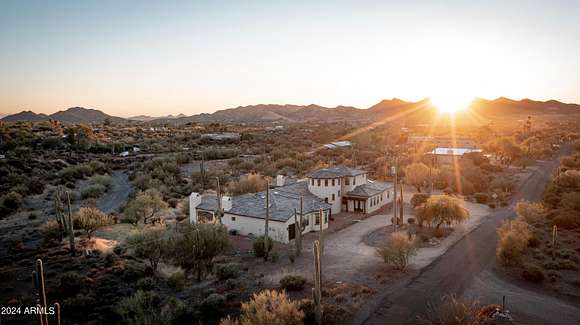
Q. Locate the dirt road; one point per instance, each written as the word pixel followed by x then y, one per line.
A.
pixel 465 268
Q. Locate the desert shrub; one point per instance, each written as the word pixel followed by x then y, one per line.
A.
pixel 104 180
pixel 146 307
pixel 292 282
pixel 418 199
pixel 456 311
pixel 262 246
pixel 531 212
pixel 249 184
pixel 481 198
pixel 566 219
pixel 177 280
pixel 571 200
pixel 11 201
pixel 212 305
pixel 146 284
pixel 560 265
pixel 91 219
pixel 533 273
pixel 150 244
pixel 231 284
pixel 71 283
pixel 503 185
pixel 50 231
pixel 227 271
pixel 268 307
pixel 197 245
pixel 398 250
pixel 93 191
pixel 81 303
pixel 569 179
pixel 514 236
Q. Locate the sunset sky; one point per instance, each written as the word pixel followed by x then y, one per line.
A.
pixel 167 57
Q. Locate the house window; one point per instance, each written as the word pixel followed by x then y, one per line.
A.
pixel 338 192
pixel 381 198
pixel 388 194
pixel 326 200
pixel 233 218
pixel 306 221
pixel 333 197
pixel 318 182
pixel 325 217
pixel 325 182
pixel 354 180
pixel 312 181
pixel 346 181
pixel 317 219
pixel 332 182
pixel 339 181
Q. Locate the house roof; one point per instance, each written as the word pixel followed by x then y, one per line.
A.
pixel 454 151
pixel 283 201
pixel 369 189
pixel 335 172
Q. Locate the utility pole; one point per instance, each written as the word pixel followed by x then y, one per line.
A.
pixel 220 211
pixel 266 225
pixel 395 197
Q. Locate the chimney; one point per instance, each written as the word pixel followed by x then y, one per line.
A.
pixel 226 203
pixel 194 202
pixel 279 180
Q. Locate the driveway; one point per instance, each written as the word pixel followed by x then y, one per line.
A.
pixel 116 197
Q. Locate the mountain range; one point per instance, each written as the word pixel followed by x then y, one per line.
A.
pixel 268 113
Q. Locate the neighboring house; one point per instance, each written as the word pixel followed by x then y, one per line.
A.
pixel 349 190
pixel 246 213
pixel 224 136
pixel 124 154
pixel 447 156
pixel 338 145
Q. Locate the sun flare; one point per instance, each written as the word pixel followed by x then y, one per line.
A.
pixel 451 103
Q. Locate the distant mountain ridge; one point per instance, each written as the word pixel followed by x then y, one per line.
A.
pixel 71 115
pixel 268 113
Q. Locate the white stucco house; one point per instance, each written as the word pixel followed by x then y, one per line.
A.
pixel 349 190
pixel 332 189
pixel 246 213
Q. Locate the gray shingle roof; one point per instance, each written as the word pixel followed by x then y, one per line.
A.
pixel 334 172
pixel 372 188
pixel 283 201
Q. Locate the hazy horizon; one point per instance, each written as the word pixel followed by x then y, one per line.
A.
pixel 150 58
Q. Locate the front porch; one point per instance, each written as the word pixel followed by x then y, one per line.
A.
pixel 354 204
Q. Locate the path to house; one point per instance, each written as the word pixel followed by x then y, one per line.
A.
pixel 118 195
pixel 466 269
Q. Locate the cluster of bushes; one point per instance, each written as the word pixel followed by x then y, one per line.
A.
pixel 73 173
pixel 292 282
pixel 398 250
pixel 514 237
pixel 268 307
pixel 10 203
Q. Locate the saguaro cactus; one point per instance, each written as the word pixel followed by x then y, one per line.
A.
pixel 40 286
pixel 299 226
pixel 402 204
pixel 317 290
pixel 220 211
pixel 70 224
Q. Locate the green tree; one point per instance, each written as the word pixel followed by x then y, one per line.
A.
pixel 146 206
pixel 150 244
pixel 91 219
pixel 417 174
pixel 197 245
pixel 442 209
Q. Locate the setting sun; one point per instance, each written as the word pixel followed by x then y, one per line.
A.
pixel 451 103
